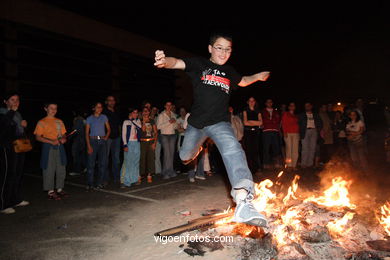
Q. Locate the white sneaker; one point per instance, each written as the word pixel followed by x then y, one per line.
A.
pixel 74 174
pixel 192 180
pixel 23 203
pixel 200 177
pixel 8 211
pixel 246 213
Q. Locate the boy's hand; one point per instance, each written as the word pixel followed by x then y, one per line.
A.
pixel 160 59
pixel 263 76
pixel 126 149
pixel 63 140
pixel 55 142
pixel 90 150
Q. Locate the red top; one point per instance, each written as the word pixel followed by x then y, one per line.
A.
pixel 271 121
pixel 290 123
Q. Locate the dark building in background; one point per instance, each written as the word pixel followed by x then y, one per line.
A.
pixel 52 54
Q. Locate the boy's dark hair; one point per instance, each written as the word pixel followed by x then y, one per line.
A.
pixel 95 104
pixel 132 109
pixel 8 95
pixel 215 36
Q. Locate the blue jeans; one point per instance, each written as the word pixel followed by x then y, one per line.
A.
pixel 271 139
pixel 99 154
pixel 309 144
pixel 168 143
pixel 358 155
pixel 130 166
pixel 113 148
pixel 231 151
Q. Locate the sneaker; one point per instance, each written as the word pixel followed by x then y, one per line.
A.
pixel 89 188
pixel 246 213
pixel 8 211
pixel 74 174
pixel 53 196
pixel 200 177
pixel 173 175
pixel 23 203
pixel 166 177
pixel 192 180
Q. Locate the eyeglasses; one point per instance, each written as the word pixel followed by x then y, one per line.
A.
pixel 220 49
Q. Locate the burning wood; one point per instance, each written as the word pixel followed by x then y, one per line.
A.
pixel 205 221
pixel 324 226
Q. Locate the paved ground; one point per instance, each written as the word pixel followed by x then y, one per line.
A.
pixel 120 223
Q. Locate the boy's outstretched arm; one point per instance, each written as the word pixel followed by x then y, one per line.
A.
pixel 161 61
pixel 247 80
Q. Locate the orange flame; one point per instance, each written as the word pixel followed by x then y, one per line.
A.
pixel 263 195
pixel 291 190
pixel 384 219
pixel 335 196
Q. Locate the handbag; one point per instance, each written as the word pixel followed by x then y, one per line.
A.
pixel 22 145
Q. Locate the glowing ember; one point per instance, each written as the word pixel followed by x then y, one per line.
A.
pixel 384 219
pixel 281 235
pixel 338 226
pixel 335 196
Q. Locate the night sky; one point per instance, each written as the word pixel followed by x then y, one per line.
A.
pixel 325 52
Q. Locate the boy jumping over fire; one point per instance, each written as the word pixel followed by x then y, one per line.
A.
pixel 213 81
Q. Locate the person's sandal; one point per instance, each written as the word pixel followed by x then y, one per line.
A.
pixel 63 194
pixel 209 173
pixel 53 196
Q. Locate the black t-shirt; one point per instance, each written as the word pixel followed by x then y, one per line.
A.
pixel 252 115
pixel 212 85
pixel 114 121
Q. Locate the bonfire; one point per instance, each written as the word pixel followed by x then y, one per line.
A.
pixel 326 224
